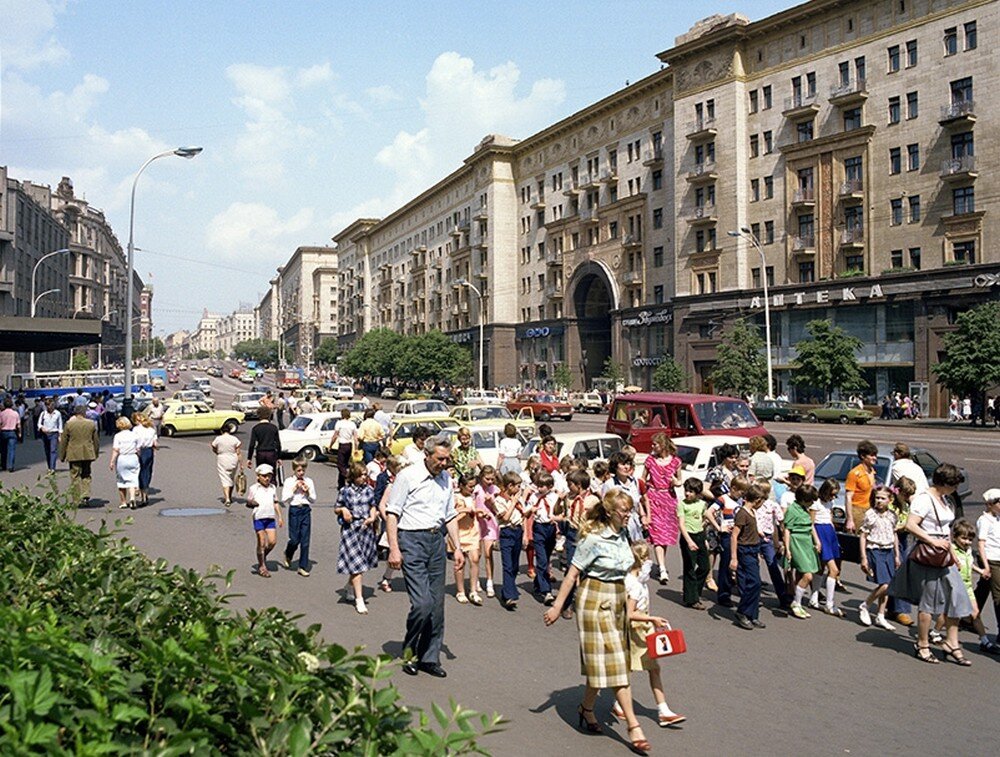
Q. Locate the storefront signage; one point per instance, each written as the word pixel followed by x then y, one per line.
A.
pixel 647 317
pixel 462 337
pixel 645 362
pixel 820 296
pixel 987 280
pixel 540 332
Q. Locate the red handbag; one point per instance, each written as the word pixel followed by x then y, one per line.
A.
pixel 665 642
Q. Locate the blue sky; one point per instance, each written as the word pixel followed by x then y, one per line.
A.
pixel 311 113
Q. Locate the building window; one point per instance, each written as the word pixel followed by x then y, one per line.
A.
pixel 965 252
pixel 754 190
pixel 896 258
pixel 961 90
pixel 768 143
pixel 804 131
pixel 657 257
pixel 894 110
pixel 811 84
pixel 912 157
pixel 970 35
pixel 911 105
pixel 699 240
pixel 860 69
pixel 613 229
pixel 893 59
pixel 915 258
pixel 753 101
pixel 962 145
pixel 755 231
pixel 657 179
pixel 896 214
pixel 755 278
pixel 911 53
pixel 914 201
pixel 754 145
pixel 807 272
pixel 768 187
pixel 852 119
pixel 951 40
pixel 853 169
pixel 895 160
pixel 657 218
pixel 658 294
pixel 699 283
pixel 964 200
pixel 768 232
pixel 855 262
pixel 766 96
pixel 844 71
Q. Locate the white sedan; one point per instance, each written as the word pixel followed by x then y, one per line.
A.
pixel 308 435
pixel 408 409
pixel 486 439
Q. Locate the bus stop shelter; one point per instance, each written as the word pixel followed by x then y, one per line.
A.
pixel 22 334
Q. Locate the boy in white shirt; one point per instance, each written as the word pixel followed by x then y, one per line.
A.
pixel 298 494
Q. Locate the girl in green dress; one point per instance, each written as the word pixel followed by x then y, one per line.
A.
pixel 802 545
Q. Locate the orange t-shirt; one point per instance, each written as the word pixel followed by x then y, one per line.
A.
pixel 860 483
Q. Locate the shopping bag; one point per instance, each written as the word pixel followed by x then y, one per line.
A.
pixel 240 484
pixel 665 642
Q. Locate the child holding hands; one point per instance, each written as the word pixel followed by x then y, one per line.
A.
pixel 468 540
pixel 358 515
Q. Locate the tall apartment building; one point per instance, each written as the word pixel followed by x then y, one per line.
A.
pixel 205 338
pixel 238 326
pixel 841 134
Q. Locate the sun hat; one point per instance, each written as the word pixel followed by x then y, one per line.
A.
pixel 264 470
pixel 991 495
pixel 797 470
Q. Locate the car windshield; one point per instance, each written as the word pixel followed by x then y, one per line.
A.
pixel 545 398
pixel 301 423
pixel 725 414
pixel 432 406
pixel 255 397
pixel 688 455
pixel 490 413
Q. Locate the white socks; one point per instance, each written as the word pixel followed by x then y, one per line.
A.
pixel 800 592
pixel 664 709
pixel 831 588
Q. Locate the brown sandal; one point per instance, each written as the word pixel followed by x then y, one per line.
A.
pixel 639 746
pixel 927 657
pixel 263 573
pixel 956 655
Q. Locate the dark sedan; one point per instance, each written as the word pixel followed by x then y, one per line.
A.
pixel 776 410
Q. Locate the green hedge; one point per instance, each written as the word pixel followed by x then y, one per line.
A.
pixel 106 652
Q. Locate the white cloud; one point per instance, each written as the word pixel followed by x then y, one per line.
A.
pixel 383 94
pixel 318 74
pixel 28 41
pixel 252 230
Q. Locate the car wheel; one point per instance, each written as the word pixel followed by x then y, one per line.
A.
pixel 812 418
pixel 309 454
pixel 169 431
pixel 844 419
pixel 777 419
pixel 231 426
pixel 544 417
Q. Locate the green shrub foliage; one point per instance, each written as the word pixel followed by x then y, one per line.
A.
pixel 106 652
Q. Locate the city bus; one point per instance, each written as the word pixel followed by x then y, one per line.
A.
pixel 48 383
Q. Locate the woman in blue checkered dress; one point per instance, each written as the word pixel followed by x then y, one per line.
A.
pixel 357 515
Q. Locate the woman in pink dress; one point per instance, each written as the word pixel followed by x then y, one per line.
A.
pixel 661 476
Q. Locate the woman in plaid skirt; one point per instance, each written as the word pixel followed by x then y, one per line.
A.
pixel 602 560
pixel 357 514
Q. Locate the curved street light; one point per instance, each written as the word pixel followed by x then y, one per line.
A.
pixel 34 299
pixel 482 307
pixel 180 152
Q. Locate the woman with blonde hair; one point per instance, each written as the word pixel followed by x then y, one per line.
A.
pixel 125 462
pixel 145 434
pixel 602 559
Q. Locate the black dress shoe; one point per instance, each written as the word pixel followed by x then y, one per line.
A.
pixel 432 668
pixel 410 668
pixel 744 622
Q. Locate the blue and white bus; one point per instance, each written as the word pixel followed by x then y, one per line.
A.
pixel 111 380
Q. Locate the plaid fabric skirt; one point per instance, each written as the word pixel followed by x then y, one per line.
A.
pixel 601 621
pixel 358 552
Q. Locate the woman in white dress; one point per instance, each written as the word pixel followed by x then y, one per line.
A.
pixel 227 458
pixel 125 462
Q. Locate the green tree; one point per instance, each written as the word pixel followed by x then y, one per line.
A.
pixel 432 357
pixel 827 360
pixel 202 355
pixel 613 372
pixel 81 361
pixel 562 377
pixel 670 376
pixel 326 353
pixel 741 365
pixel 971 363
pixel 374 354
pixel 263 351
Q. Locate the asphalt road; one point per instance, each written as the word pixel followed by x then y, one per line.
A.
pixel 819 686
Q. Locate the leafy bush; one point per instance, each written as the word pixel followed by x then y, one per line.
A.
pixel 107 652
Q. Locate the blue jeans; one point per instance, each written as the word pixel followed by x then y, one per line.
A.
pixel 748 577
pixel 299 531
pixel 368 450
pixel 510 558
pixel 724 582
pixel 543 535
pixel 424 564
pixel 50 441
pixel 770 556
pixel 10 448
pixel 145 468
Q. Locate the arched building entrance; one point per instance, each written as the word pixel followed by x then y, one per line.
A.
pixel 594 299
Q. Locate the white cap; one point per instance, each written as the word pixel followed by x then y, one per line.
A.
pixel 263 469
pixel 991 495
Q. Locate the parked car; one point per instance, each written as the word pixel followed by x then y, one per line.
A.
pixel 640 416
pixel 342 391
pixel 191 395
pixel 477 415
pixel 589 445
pixel 355 407
pixel 182 367
pixel 248 403
pixel 484 397
pixel 411 408
pixel 173 377
pixel 486 439
pixel 839 412
pixel 545 407
pixel 699 454
pixel 308 435
pixel 389 393
pixel 776 410
pixel 401 431
pixel 448 396
pixel 586 402
pixel 195 417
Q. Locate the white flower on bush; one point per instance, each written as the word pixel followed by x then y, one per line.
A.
pixel 311 661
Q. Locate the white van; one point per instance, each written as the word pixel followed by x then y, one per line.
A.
pixel 586 402
pixel 342 392
pixel 484 397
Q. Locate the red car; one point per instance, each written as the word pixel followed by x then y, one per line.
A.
pixel 173 377
pixel 544 407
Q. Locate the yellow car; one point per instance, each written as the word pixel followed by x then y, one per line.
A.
pixel 197 417
pixel 401 433
pixel 490 415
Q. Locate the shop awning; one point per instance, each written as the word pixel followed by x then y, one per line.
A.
pixel 21 334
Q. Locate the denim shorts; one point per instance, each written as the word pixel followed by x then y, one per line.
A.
pixel 263 524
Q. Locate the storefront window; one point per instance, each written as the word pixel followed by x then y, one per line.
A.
pixel 797 320
pixel 557 350
pixel 899 322
pixel 858 321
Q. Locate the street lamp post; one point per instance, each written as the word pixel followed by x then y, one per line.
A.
pixel 34 299
pixel 180 152
pixel 747 234
pixel 482 317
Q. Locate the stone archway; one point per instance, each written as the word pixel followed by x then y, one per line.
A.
pixel 594 298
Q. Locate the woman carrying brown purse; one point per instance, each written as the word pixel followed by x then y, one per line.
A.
pixel 929 577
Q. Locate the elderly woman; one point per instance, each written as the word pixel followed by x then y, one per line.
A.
pixel 125 462
pixel 934 588
pixel 145 434
pixel 602 559
pixel 465 457
pixel 227 459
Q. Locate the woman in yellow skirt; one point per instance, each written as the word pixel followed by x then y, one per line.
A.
pixel 602 560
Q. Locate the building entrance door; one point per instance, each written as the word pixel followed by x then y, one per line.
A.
pixel 593 305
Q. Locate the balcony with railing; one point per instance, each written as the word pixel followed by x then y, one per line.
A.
pixel 959 113
pixel 553 258
pixel 589 215
pixel 609 175
pixel 481 213
pixel 702 215
pixel 849 94
pixel 959 169
pixel 632 277
pixel 852 190
pixel 554 291
pixel 804 244
pixel 589 181
pixel 653 157
pixel 632 241
pixel 703 173
pixel 572 188
pixel 539 203
pixel 801 107
pixel 701 129
pixel 852 238
pixel 804 198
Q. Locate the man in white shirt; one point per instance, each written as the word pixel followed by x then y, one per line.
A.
pixel 50 425
pixel 413 453
pixel 155 412
pixel 422 503
pixel 382 417
pixel 903 465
